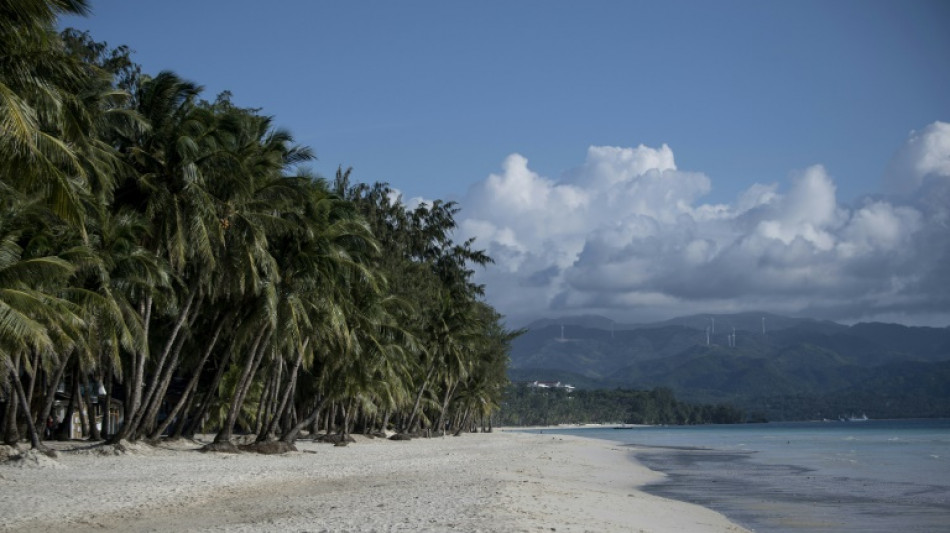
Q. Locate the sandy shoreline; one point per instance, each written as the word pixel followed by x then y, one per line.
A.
pixel 479 482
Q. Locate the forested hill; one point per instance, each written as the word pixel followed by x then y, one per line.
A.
pixel 786 368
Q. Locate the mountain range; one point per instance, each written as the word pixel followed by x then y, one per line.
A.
pixel 781 367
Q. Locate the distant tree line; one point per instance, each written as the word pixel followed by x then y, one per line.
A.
pixel 878 405
pixel 529 406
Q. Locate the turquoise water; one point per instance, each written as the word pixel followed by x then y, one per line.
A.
pixel 821 476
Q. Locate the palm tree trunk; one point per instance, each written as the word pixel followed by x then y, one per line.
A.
pixel 273 397
pixel 138 374
pixel 178 430
pixel 246 387
pixel 189 430
pixel 31 427
pixel 263 403
pixel 107 402
pixel 289 418
pixel 91 415
pixel 34 374
pixel 464 422
pixel 11 434
pixel 160 370
pixel 136 379
pixel 315 425
pixel 192 384
pixel 291 383
pixel 449 390
pixel 250 367
pixel 290 436
pixel 65 428
pixel 347 408
pixel 330 425
pixel 12 430
pixel 147 422
pixel 81 407
pixel 415 407
pixel 51 391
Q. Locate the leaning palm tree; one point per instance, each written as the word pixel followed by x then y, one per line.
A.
pixel 328 264
pixel 118 274
pixel 33 315
pixel 166 186
pixel 52 107
pixel 480 393
pixel 256 203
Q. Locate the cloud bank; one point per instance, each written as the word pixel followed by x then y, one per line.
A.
pixel 626 235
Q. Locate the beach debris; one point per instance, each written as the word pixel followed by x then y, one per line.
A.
pixel 334 438
pixel 124 447
pixel 7 452
pixel 400 436
pixel 34 459
pixel 275 447
pixel 222 447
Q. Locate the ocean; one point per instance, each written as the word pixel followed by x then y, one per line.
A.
pixel 878 475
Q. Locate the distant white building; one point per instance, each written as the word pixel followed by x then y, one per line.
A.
pixel 550 385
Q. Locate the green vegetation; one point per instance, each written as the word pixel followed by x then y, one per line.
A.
pixel 919 390
pixel 170 254
pixel 528 406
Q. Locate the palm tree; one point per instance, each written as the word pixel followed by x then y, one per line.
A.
pixel 327 264
pixel 98 115
pixel 37 78
pixel 33 315
pixel 255 200
pixel 55 109
pixel 168 189
pixel 122 275
pixel 480 393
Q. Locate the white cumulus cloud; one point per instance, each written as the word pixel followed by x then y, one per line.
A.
pixel 925 156
pixel 626 234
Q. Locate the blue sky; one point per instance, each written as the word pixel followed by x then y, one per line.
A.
pixel 435 97
pixel 431 96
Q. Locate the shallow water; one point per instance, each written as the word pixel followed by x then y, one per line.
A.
pixel 793 477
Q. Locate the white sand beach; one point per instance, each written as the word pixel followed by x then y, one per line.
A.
pixel 495 482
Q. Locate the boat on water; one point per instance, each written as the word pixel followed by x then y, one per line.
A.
pixel 852 418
